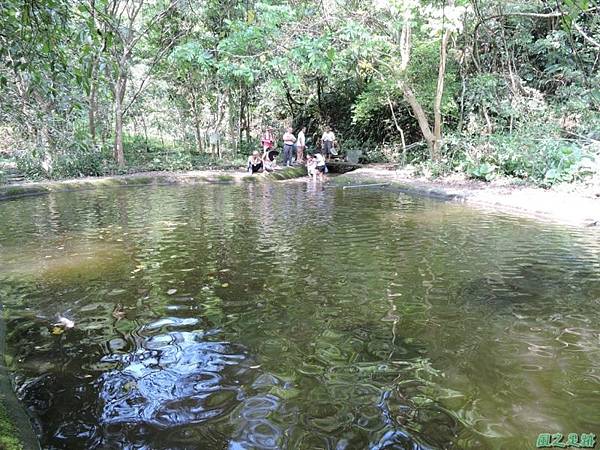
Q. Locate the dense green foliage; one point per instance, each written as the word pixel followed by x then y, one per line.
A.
pixel 485 87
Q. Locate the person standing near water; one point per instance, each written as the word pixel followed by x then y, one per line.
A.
pixel 288 147
pixel 327 142
pixel 267 140
pixel 321 167
pixel 300 145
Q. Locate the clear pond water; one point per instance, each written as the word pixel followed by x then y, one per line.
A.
pixel 294 316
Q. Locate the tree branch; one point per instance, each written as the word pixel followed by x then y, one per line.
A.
pixel 157 18
pixel 155 61
pixel 585 36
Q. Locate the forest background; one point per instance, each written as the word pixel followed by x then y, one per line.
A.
pixel 486 88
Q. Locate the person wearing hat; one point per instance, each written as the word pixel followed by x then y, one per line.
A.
pixel 255 163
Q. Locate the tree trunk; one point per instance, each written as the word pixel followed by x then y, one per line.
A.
pixel 92 112
pixel 437 106
pixel 232 124
pixel 399 129
pixel 241 116
pixel 319 101
pixel 118 146
pixel 198 132
pixel 417 109
pixel 44 145
pixel 197 125
pixel 93 106
pixel 247 117
pixel 405 41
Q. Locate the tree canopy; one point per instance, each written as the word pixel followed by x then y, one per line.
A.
pixel 484 86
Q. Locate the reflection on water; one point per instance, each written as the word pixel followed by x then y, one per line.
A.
pixel 293 316
pixel 176 379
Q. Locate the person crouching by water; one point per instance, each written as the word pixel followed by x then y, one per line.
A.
pixel 255 163
pixel 288 147
pixel 269 160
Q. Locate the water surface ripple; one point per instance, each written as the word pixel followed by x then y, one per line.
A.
pixel 291 316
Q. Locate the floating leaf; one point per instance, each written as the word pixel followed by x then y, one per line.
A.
pixel 57 330
pixel 224 285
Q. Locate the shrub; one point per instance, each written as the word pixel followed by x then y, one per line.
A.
pixel 537 154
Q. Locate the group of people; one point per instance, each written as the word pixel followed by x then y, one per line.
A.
pixel 293 147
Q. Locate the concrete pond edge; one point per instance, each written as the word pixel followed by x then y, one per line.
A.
pixel 16 429
pixel 13 191
pixel 534 203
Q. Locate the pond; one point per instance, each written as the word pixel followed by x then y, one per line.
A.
pixel 296 316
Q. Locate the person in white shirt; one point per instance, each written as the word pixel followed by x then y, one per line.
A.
pixel 311 166
pixel 288 147
pixel 327 142
pixel 321 166
pixel 300 145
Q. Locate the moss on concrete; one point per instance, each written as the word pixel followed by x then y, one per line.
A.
pixel 9 437
pixel 144 180
pixel 227 178
pixel 288 173
pixel 22 190
pixel 16 432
